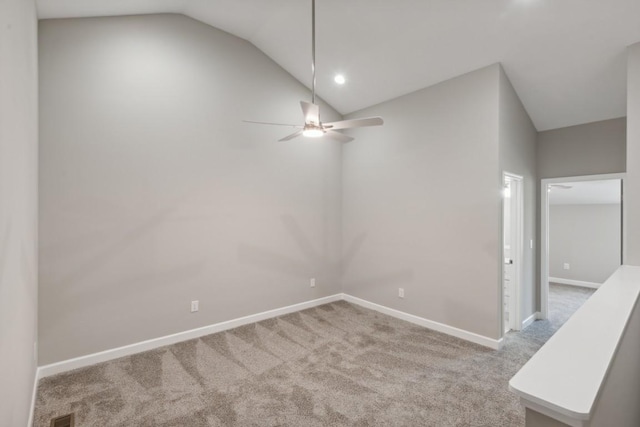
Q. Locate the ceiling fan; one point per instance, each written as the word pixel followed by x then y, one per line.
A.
pixel 558 187
pixel 313 126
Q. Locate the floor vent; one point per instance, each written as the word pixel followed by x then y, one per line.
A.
pixel 63 421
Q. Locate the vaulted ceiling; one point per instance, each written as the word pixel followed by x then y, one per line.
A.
pixel 565 58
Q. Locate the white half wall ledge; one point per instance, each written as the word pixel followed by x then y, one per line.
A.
pixel 127 350
pixel 571 282
pixel 34 396
pixel 559 381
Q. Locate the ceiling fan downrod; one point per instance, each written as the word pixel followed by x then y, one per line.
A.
pixel 313 51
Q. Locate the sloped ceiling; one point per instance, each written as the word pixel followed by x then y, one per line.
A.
pixel 565 58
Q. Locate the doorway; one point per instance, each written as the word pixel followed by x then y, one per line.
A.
pixel 580 233
pixel 512 251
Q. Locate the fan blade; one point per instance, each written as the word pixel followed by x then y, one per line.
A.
pixel 338 136
pixel 311 112
pixel 293 135
pixel 355 123
pixel 273 124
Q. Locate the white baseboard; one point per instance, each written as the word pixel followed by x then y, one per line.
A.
pixel 529 320
pixel 127 350
pixel 34 395
pixel 571 282
pixel 495 344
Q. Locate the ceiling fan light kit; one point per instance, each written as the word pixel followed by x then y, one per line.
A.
pixel 313 132
pixel 313 127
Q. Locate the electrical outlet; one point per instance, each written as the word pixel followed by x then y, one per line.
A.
pixel 401 292
pixel 312 282
pixel 566 266
pixel 531 244
pixel 195 306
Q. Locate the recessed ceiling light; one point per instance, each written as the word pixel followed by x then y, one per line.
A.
pixel 339 79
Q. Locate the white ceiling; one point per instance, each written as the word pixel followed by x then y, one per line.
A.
pixel 565 58
pixel 586 193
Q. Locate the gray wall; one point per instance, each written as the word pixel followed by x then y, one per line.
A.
pixel 421 204
pixel 153 193
pixel 588 149
pixel 18 208
pixel 573 229
pixel 632 183
pixel 517 154
pixel 536 419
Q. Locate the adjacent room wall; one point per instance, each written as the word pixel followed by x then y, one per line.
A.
pixel 154 193
pixel 632 183
pixel 18 208
pixel 587 149
pixel 422 206
pixel 573 229
pixel 517 154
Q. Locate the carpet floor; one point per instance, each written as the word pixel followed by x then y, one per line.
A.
pixel 334 365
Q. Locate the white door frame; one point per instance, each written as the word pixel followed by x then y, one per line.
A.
pixel 544 229
pixel 516 253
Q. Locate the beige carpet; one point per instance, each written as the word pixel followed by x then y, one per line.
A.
pixel 334 365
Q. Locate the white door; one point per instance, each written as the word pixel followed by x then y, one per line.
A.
pixel 506 299
pixel 512 230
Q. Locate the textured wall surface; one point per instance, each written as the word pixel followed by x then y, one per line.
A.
pixel 587 237
pixel 154 193
pixel 421 204
pixel 632 183
pixel 18 208
pixel 517 137
pixel 588 149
